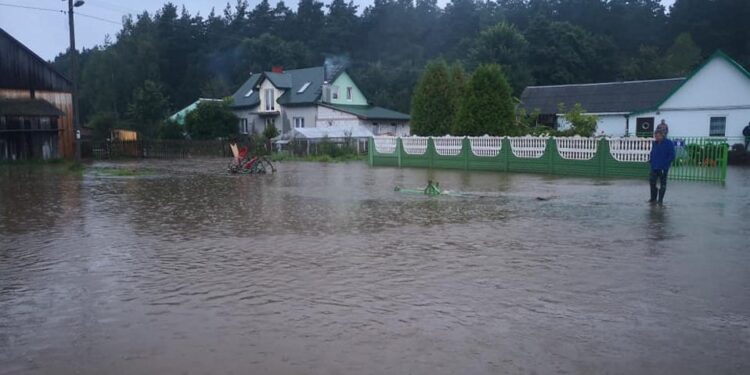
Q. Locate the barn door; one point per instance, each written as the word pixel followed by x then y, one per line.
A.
pixel 644 127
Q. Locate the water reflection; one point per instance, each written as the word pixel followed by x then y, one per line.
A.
pixel 325 269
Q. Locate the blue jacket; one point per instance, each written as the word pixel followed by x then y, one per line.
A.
pixel 662 154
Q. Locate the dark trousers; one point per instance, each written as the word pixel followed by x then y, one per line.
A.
pixel 661 175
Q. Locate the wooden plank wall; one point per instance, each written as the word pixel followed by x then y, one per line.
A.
pixel 64 102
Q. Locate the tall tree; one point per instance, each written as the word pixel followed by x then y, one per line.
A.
pixel 503 44
pixel 487 105
pixel 148 109
pixel 683 56
pixel 432 109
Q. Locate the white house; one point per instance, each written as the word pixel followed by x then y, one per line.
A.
pixel 713 101
pixel 318 97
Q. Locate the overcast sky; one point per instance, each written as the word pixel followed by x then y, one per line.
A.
pixel 46 31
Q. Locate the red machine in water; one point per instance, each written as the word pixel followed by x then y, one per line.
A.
pixel 243 163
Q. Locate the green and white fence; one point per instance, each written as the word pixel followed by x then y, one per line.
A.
pixel 700 159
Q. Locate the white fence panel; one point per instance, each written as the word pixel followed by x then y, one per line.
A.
pixel 414 145
pixel 528 147
pixel 486 146
pixel 630 149
pixel 576 148
pixel 448 146
pixel 385 145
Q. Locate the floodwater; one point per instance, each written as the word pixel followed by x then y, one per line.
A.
pixel 324 269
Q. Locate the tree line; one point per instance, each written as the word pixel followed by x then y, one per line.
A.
pixel 158 63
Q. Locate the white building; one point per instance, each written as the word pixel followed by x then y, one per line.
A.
pixel 713 101
pixel 319 97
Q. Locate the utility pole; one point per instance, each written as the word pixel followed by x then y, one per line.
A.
pixel 74 77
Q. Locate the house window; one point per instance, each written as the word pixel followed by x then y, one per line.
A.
pixel 243 126
pixel 334 92
pixel 303 88
pixel 299 122
pixel 270 102
pixel 718 127
pixel 349 93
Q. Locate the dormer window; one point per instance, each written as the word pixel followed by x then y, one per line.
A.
pixel 303 88
pixel 249 93
pixel 270 100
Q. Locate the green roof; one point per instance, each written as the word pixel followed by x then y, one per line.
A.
pixel 369 112
pixel 179 116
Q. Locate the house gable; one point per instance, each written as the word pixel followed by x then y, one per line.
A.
pixel 719 83
pixel 342 82
pixel 267 84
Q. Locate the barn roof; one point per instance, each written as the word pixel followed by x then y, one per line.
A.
pixel 22 69
pixel 608 97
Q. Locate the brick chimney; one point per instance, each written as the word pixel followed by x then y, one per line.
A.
pixel 277 69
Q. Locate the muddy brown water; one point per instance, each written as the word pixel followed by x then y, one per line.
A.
pixel 324 269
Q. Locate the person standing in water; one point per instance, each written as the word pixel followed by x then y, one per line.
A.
pixel 662 155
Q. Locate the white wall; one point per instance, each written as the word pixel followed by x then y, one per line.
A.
pixel 611 125
pixel 331 117
pixel 309 113
pixel 696 123
pixel 718 85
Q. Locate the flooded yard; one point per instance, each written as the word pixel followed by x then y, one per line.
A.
pixel 324 269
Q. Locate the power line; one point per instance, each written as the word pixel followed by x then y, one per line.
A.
pixel 33 8
pixel 97 18
pixel 60 11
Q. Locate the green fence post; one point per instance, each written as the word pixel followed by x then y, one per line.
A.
pixel 550 149
pixel 724 161
pixel 600 154
pixel 399 148
pixel 466 148
pixel 430 152
pixel 508 154
pixel 370 147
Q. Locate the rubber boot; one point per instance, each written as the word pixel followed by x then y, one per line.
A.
pixel 662 191
pixel 654 191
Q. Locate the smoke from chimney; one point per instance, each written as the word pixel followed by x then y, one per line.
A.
pixel 333 65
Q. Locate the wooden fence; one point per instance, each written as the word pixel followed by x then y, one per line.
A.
pixel 165 149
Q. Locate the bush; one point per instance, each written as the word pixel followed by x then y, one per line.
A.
pixel 211 120
pixel 170 130
pixel 580 123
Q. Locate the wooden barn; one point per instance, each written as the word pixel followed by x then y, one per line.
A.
pixel 36 105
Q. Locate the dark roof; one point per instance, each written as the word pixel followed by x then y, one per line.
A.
pixel 28 107
pixel 291 81
pixel 240 98
pixel 369 112
pixel 617 97
pixel 22 69
pixel 299 77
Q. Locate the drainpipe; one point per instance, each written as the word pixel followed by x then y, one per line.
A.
pixel 627 125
